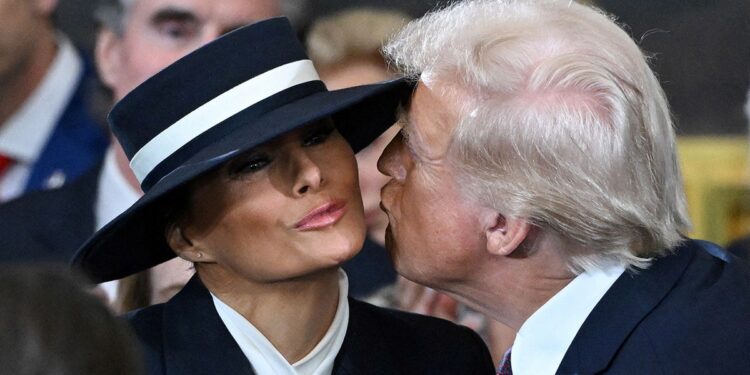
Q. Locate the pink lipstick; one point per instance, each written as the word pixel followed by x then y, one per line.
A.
pixel 323 216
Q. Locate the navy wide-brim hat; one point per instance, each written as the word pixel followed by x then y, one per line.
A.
pixel 229 96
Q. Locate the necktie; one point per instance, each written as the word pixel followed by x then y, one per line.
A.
pixel 5 163
pixel 505 368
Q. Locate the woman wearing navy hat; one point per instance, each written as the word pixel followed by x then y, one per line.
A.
pixel 247 164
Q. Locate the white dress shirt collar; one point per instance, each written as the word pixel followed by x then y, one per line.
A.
pixel 264 357
pixel 114 195
pixel 25 133
pixel 544 338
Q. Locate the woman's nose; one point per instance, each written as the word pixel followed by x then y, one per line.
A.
pixel 307 174
pixel 389 162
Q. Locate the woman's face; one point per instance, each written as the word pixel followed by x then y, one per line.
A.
pixel 283 210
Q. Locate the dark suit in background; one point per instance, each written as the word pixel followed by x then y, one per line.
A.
pixel 49 225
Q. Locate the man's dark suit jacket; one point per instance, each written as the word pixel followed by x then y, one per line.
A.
pixel 186 336
pixel 77 141
pixel 49 225
pixel 689 313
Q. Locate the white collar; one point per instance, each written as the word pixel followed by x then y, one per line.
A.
pixel 26 132
pixel 114 194
pixel 264 357
pixel 544 338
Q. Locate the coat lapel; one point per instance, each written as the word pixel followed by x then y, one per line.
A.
pixel 630 299
pixel 363 344
pixel 196 340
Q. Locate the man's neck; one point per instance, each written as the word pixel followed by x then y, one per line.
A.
pixel 511 289
pixel 306 306
pixel 18 86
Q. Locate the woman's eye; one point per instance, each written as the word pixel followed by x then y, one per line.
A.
pixel 318 136
pixel 250 165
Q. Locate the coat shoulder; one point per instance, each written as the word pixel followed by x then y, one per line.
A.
pixel 147 325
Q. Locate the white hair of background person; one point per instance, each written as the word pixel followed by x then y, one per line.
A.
pixel 112 13
pixel 562 123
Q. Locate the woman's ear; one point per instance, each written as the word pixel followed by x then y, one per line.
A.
pixel 506 234
pixel 184 247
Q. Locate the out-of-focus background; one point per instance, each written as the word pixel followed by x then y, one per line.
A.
pixel 701 52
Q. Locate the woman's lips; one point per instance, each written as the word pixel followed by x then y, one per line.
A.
pixel 323 216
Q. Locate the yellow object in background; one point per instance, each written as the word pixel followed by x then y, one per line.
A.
pixel 717 185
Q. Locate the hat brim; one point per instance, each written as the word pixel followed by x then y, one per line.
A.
pixel 135 240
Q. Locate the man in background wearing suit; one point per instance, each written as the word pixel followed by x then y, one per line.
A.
pixel 137 38
pixel 47 133
pixel 536 179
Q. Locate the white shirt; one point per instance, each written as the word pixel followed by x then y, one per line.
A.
pixel 24 135
pixel 114 195
pixel 545 336
pixel 264 357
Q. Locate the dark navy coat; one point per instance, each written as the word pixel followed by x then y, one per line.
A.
pixel 49 225
pixel 689 313
pixel 185 336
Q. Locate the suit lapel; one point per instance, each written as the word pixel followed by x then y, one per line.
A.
pixel 60 234
pixel 362 348
pixel 196 340
pixel 623 307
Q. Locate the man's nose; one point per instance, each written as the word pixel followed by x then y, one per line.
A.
pixel 389 162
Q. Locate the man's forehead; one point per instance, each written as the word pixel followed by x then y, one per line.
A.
pixel 430 119
pixel 228 11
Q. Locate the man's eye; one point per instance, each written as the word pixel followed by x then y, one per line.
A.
pixel 318 136
pixel 177 29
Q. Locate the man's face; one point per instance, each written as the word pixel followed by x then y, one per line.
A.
pixel 158 32
pixel 22 23
pixel 434 234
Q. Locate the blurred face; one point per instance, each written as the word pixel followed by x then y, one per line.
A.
pixel 434 234
pixel 22 22
pixel 158 32
pixel 284 210
pixel 353 73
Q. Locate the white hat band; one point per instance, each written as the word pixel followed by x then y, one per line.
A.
pixel 217 110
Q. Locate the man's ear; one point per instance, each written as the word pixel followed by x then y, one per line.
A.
pixel 108 56
pixel 505 234
pixel 184 247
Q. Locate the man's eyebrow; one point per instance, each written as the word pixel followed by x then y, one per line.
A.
pixel 173 14
pixel 407 133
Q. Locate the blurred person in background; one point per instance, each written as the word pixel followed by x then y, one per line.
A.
pixel 50 326
pixel 47 133
pixel 136 39
pixel 247 164
pixel 536 179
pixel 346 49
